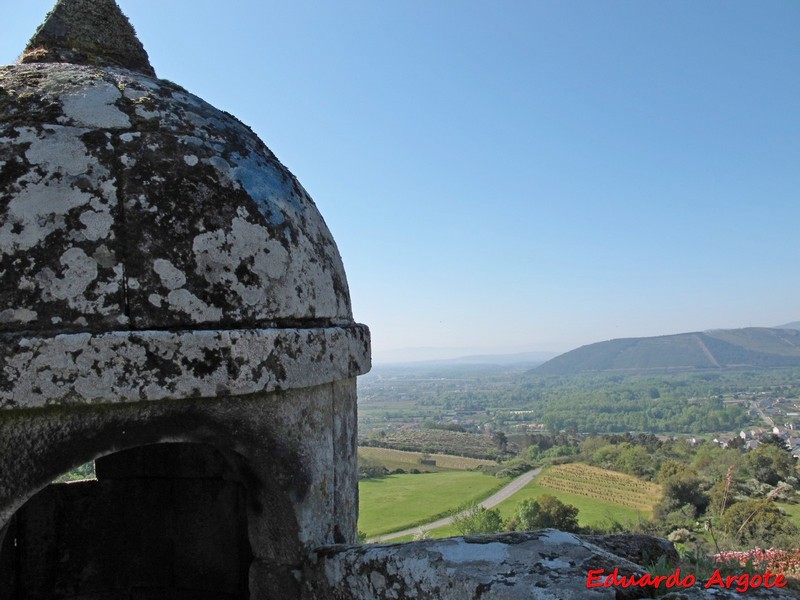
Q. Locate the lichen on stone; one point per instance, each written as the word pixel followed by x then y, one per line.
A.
pixel 117 178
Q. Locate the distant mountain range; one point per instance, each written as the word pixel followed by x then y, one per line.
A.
pixel 518 358
pixel 751 347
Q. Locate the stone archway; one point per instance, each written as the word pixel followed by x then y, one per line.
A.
pixel 293 451
pixel 160 521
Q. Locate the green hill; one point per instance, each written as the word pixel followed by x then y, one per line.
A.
pixel 752 347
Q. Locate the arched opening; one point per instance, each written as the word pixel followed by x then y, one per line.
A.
pixel 167 520
pixel 292 451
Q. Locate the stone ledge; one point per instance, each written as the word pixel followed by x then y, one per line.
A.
pixel 133 366
pixel 537 565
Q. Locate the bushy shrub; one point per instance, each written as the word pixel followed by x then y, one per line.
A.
pixel 477 519
pixel 547 511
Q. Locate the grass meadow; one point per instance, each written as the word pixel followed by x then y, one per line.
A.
pixel 396 502
pixel 793 510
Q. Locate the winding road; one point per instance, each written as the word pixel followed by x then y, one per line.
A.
pixel 492 501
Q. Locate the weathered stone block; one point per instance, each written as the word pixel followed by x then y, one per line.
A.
pixel 538 565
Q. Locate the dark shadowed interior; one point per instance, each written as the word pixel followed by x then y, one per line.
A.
pixel 160 521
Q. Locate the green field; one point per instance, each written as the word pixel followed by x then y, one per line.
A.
pixel 793 510
pixel 592 512
pixel 630 507
pixel 401 459
pixel 601 496
pixel 395 502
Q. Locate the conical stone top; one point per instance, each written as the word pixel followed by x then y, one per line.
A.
pixel 88 32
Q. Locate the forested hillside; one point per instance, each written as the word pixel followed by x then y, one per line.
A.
pixel 752 347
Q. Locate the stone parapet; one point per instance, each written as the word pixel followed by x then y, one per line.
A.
pixel 538 565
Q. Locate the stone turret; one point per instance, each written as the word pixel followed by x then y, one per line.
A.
pixel 169 296
pixel 88 32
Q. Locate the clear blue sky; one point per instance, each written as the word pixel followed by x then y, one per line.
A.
pixel 516 175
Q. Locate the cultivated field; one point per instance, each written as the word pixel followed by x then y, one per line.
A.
pixel 591 510
pixel 395 502
pixel 601 496
pixel 401 459
pixel 437 441
pixel 601 484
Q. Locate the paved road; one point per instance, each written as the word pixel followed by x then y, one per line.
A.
pixel 505 493
pixel 768 420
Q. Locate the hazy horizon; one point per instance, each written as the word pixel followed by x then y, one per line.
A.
pixel 526 175
pixel 423 354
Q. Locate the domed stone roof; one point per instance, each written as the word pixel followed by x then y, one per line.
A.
pixel 129 205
